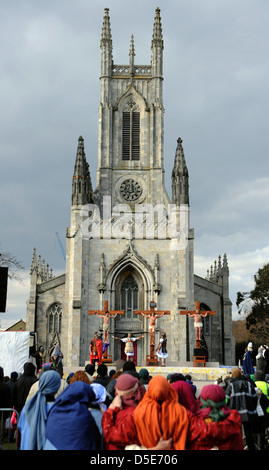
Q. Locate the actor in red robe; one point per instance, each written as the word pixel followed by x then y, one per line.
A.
pixel 99 346
pixel 96 350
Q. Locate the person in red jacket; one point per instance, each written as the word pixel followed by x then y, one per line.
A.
pixel 212 424
pixel 118 420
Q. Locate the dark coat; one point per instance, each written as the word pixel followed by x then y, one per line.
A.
pixel 23 385
pixel 5 398
pixel 241 396
pixel 247 363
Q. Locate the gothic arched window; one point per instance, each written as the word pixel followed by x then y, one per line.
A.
pixel 55 318
pixel 129 296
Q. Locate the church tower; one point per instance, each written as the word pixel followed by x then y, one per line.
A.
pixel 128 244
pixel 131 124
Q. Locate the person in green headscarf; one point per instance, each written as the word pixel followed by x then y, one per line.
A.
pixel 224 425
pixel 213 403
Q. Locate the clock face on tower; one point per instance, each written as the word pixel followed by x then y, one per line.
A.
pixel 130 190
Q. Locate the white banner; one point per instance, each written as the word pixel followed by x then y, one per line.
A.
pixel 14 350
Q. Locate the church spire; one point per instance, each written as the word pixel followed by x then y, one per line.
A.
pixel 34 262
pixel 180 177
pixel 106 46
pixel 157 37
pixel 157 46
pixel 82 186
pixel 132 56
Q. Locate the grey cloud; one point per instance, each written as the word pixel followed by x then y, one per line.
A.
pixel 215 98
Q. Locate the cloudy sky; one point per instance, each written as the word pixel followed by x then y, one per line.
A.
pixel 216 97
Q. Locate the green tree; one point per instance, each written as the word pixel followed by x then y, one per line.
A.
pixel 257 321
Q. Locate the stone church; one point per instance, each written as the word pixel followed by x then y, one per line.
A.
pixel 128 243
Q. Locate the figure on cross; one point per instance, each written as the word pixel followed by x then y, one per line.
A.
pixel 106 314
pixel 106 318
pixel 198 319
pixel 198 323
pixel 153 316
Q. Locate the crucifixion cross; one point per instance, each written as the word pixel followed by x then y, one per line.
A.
pixel 152 314
pixel 106 314
pixel 197 314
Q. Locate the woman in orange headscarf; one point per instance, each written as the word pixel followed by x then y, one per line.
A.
pixel 159 414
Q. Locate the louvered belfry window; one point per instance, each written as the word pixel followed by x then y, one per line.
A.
pixel 131 135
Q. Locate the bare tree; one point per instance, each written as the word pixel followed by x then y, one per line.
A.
pixel 9 260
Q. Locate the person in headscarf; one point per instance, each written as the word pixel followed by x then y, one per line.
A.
pixel 247 362
pixel 70 424
pixel 98 407
pixel 57 358
pixel 160 415
pixel 32 421
pixel 214 425
pixel 118 420
pixel 45 368
pixel 23 385
pixel 185 394
pixel 212 403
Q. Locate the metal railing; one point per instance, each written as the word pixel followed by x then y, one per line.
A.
pixel 9 418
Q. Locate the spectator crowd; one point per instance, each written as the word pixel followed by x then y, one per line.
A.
pixel 128 410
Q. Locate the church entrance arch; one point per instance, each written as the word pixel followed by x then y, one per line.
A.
pixel 129 296
pixel 130 282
